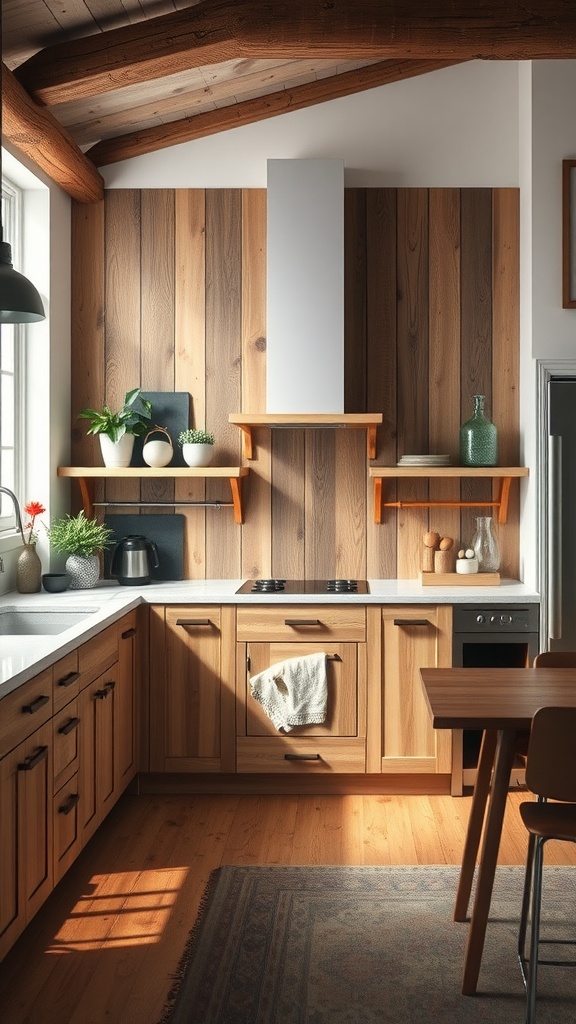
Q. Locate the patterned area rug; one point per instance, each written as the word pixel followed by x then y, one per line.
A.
pixel 362 945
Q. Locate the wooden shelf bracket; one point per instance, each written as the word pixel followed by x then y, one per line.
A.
pixel 504 474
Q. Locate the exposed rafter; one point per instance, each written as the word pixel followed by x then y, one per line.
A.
pixel 219 30
pixel 186 129
pixel 35 132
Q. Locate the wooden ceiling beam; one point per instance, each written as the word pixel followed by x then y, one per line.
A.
pixel 198 126
pixel 35 132
pixel 221 30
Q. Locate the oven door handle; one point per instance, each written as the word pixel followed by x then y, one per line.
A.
pixel 555 537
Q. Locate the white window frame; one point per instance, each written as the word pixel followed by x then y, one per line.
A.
pixel 12 211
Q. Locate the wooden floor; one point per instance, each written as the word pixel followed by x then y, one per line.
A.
pixel 102 949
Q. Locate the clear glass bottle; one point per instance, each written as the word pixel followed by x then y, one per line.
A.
pixel 478 438
pixel 485 544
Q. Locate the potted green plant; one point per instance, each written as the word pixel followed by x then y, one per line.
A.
pixel 197 447
pixel 117 430
pixel 82 540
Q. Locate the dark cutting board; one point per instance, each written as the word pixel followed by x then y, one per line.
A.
pixel 170 409
pixel 167 532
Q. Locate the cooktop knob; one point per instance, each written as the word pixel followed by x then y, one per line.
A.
pixel 505 619
pixel 480 619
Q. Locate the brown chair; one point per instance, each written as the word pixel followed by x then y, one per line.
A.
pixel 555 659
pixel 551 775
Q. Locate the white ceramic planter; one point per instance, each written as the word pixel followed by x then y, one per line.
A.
pixel 197 454
pixel 116 454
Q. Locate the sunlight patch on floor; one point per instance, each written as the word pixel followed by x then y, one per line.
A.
pixel 126 909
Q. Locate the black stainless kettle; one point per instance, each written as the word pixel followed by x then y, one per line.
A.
pixel 133 559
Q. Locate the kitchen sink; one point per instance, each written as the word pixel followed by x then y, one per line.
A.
pixel 40 622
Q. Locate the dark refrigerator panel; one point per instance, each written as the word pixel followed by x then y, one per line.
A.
pixel 562 514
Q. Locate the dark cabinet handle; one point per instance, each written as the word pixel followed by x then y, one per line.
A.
pixel 333 657
pixel 128 633
pixel 411 622
pixel 31 709
pixel 70 804
pixel 302 757
pixel 301 622
pixel 70 725
pixel 69 679
pixel 193 622
pixel 105 691
pixel 31 762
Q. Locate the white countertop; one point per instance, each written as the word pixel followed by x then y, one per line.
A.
pixel 22 657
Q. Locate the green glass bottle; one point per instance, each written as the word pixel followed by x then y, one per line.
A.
pixel 478 438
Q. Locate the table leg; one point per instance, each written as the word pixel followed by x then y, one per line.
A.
pixel 488 858
pixel 475 823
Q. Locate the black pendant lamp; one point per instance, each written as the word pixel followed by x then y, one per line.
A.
pixel 20 301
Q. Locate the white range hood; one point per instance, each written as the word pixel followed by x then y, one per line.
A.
pixel 305 302
pixel 305 288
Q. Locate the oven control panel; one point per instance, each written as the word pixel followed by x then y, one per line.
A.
pixel 495 619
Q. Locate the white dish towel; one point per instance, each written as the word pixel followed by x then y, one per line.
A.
pixel 294 691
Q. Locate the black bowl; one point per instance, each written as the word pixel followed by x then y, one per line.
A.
pixel 55 582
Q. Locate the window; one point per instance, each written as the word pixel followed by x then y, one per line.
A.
pixel 10 369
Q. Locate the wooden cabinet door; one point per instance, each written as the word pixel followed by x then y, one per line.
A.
pixel 97 751
pixel 413 638
pixel 192 689
pixel 125 705
pixel 342 676
pixel 26 878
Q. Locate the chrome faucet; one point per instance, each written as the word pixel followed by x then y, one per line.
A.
pixel 6 490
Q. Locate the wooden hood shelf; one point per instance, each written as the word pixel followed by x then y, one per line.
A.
pixel 367 421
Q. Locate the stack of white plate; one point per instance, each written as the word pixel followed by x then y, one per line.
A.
pixel 424 460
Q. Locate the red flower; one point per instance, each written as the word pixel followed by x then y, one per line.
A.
pixel 34 508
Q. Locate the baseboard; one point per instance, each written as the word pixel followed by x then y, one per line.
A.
pixel 254 785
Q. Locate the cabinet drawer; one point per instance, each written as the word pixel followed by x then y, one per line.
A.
pixel 301 622
pixel 97 654
pixel 66 814
pixel 66 743
pixel 289 756
pixel 23 710
pixel 65 680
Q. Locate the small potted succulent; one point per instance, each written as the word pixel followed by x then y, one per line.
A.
pixel 117 430
pixel 82 540
pixel 197 447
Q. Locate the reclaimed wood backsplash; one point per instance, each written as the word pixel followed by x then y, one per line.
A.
pixel 169 293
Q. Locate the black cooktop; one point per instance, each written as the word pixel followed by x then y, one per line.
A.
pixel 280 586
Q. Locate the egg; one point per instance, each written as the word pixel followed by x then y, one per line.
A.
pixel 431 539
pixel 446 543
pixel 461 553
pixel 470 553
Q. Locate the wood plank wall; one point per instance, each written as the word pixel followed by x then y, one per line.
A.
pixel 169 294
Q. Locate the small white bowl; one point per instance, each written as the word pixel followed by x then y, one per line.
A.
pixel 466 565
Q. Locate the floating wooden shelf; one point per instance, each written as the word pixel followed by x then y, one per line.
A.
pixel 83 474
pixel 307 421
pixel 503 473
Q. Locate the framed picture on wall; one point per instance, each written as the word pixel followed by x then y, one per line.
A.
pixel 569 234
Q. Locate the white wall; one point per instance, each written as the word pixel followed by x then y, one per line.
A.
pixel 454 127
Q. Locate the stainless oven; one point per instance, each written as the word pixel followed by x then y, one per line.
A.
pixel 488 636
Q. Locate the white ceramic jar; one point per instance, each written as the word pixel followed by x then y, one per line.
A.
pixel 158 452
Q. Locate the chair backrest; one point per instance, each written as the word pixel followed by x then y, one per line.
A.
pixel 556 659
pixel 551 763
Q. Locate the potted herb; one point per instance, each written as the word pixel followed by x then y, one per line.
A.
pixel 117 430
pixel 197 447
pixel 82 540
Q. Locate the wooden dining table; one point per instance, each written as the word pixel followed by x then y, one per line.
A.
pixel 500 702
